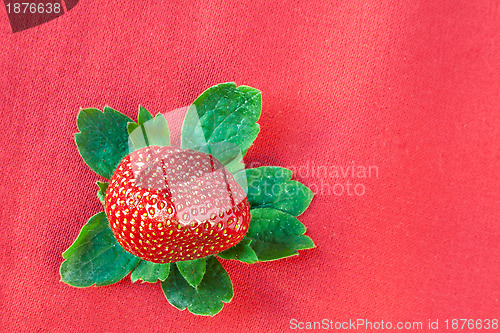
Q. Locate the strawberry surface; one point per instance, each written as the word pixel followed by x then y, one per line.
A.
pixel 167 204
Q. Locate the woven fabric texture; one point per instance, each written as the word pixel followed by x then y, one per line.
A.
pixel 408 91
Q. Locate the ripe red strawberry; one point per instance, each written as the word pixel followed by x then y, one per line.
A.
pixel 166 204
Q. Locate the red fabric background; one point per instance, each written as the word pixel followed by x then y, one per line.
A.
pixel 412 87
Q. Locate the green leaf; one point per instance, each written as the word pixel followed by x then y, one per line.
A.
pixel 276 234
pixel 223 114
pixel 157 131
pixel 137 137
pixel 178 292
pixel 103 140
pixel 227 153
pixel 148 271
pixel 96 257
pixel 271 187
pixel 235 166
pixel 131 127
pixel 143 116
pixel 149 131
pixel 207 298
pixel 102 191
pixel 192 270
pixel 241 251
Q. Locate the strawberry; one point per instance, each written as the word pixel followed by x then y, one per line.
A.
pixel 167 204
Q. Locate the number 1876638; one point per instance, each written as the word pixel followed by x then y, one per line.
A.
pixel 33 8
